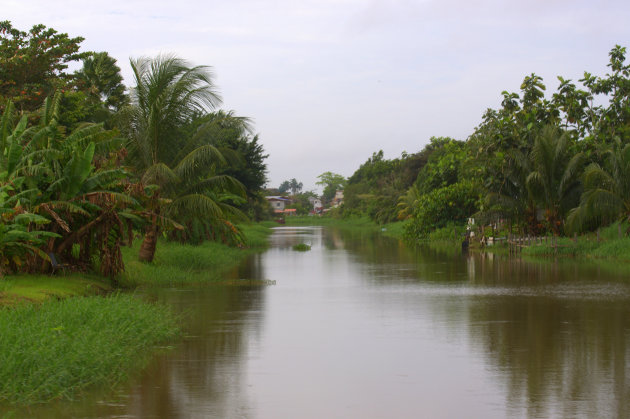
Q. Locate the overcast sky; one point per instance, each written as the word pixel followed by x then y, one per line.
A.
pixel 329 82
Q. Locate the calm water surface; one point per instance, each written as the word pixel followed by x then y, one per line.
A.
pixel 363 327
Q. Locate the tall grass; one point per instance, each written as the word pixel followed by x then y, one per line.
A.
pixel 59 348
pixel 177 263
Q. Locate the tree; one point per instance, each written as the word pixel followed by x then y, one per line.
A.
pixel 168 94
pixel 554 180
pixel 295 186
pixel 33 64
pixel 100 77
pixel 331 183
pixel 606 195
pixel 46 173
pixel 284 186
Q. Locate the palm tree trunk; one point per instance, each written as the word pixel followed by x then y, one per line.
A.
pixel 147 249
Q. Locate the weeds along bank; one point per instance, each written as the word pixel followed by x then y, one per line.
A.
pixel 57 349
pixel 63 334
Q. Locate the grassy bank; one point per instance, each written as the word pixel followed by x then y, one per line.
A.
pixel 57 337
pixel 58 348
pixel 610 245
pixel 177 264
pixel 18 289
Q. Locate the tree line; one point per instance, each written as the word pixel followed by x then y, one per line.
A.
pixel 86 163
pixel 541 165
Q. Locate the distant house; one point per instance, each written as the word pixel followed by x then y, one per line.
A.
pixel 338 199
pixel 316 203
pixel 277 202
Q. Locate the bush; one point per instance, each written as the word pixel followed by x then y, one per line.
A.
pixel 451 204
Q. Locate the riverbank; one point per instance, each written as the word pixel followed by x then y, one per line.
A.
pixel 60 336
pixel 177 264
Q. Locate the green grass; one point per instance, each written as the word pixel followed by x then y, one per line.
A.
pixel 302 247
pixel 610 246
pixel 176 263
pixel 57 349
pixel 38 288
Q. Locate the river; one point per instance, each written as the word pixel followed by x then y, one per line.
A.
pixel 362 326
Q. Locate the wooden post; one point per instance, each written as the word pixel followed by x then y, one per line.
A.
pixel 575 238
pixel 619 230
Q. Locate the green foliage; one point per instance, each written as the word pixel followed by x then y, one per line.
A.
pixel 177 263
pixel 445 159
pixel 454 203
pixel 606 194
pixel 301 247
pixel 451 232
pixel 185 167
pixel 46 172
pixel 374 189
pixel 75 344
pixel 33 63
pixel 100 77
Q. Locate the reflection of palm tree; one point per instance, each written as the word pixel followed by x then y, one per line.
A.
pixel 606 189
pixel 168 94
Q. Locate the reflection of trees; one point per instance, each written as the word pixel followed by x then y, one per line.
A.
pixel 562 343
pixel 555 351
pixel 205 373
pixel 557 332
pixel 287 237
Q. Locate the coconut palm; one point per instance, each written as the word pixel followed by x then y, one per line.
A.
pixel 554 181
pixel 168 94
pixel 513 199
pixel 606 194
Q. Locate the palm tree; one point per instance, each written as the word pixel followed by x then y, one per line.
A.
pixel 606 194
pixel 554 180
pixel 101 78
pixel 513 199
pixel 169 93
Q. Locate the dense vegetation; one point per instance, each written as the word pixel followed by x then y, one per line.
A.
pixel 86 166
pixel 536 165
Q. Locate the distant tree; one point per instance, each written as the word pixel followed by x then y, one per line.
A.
pixel 284 187
pixel 331 183
pixel 33 64
pixel 295 186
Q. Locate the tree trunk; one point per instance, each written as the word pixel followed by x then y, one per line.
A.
pixel 147 249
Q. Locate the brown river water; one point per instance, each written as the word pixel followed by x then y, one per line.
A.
pixel 362 326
